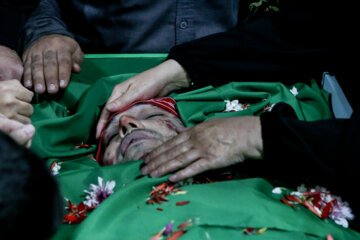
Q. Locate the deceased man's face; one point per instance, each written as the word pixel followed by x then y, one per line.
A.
pixel 132 134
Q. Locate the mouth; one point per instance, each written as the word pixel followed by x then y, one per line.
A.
pixel 132 138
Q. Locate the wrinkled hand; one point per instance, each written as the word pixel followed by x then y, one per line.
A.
pixel 217 143
pixel 21 133
pixel 11 66
pixel 48 63
pixel 15 101
pixel 156 82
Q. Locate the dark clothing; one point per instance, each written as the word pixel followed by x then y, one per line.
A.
pixel 13 15
pixel 30 198
pixel 320 153
pixel 301 41
pixel 140 26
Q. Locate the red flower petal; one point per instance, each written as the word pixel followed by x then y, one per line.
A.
pixel 176 235
pixel 292 198
pixel 311 208
pixel 329 237
pixel 326 210
pixel 287 202
pixel 182 203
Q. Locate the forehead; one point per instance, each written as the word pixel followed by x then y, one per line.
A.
pixel 140 111
pixel 143 108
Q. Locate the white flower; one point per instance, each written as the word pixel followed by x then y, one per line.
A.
pixel 99 192
pixel 234 106
pixel 341 213
pixel 55 168
pixel 294 91
pixel 342 222
pixel 271 107
pixel 277 190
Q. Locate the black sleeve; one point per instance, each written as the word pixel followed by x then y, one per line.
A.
pixel 322 152
pixel 13 15
pixel 46 19
pixel 297 39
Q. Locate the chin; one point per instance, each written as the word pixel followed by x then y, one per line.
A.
pixel 138 150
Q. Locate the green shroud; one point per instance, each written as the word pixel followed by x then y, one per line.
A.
pixel 220 210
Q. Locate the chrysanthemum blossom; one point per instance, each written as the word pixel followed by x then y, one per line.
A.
pixel 99 192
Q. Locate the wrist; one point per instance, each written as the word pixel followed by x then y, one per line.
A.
pixel 175 76
pixel 254 139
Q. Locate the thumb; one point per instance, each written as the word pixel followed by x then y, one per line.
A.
pixel 23 135
pixel 105 114
pixel 78 58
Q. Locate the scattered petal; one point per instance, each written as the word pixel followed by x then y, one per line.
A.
pixel 294 91
pixel 277 190
pixel 55 168
pixel 182 203
pixel 235 106
pixel 168 228
pixel 329 237
pixel 269 107
pixel 159 193
pixel 177 234
pixel 158 236
pixel 322 203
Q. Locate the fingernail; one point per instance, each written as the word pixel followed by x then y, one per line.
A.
pixel 52 87
pixel 29 129
pixel 154 174
pixel 145 170
pixel 27 83
pixel 38 87
pixel 62 83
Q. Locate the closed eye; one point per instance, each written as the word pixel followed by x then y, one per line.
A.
pixel 155 115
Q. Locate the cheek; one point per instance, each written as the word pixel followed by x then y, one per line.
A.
pixel 167 129
pixel 110 154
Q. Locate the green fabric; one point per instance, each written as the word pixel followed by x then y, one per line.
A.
pixel 223 209
pixel 200 105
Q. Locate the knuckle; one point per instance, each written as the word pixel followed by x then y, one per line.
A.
pixel 50 63
pixel 49 54
pixel 65 60
pixel 36 66
pixel 36 58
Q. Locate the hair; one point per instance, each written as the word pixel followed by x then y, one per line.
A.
pixel 30 200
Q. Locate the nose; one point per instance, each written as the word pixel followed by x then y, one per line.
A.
pixel 128 124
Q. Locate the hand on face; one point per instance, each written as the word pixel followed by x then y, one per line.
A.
pixel 21 133
pixel 11 66
pixel 15 101
pixel 213 144
pixel 48 63
pixel 156 82
pixel 132 134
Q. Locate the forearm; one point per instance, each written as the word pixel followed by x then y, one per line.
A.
pixel 45 20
